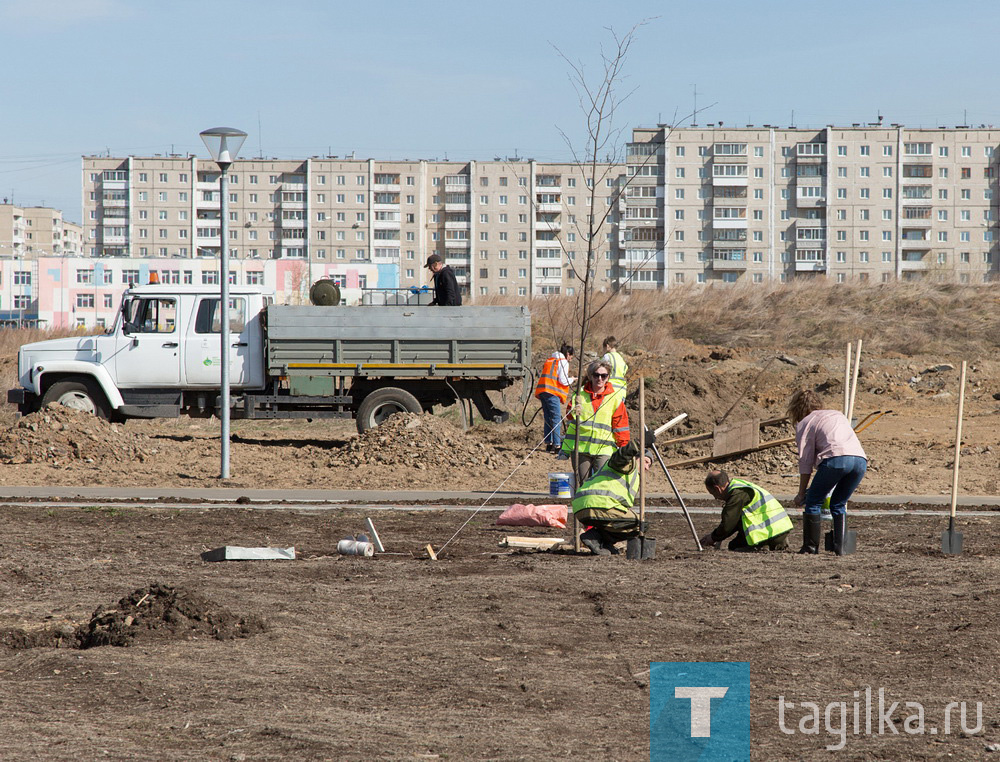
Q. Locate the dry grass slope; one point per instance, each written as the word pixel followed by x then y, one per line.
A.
pixel 908 318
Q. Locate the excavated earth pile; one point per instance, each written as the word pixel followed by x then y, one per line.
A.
pixel 421 442
pixel 58 435
pixel 156 612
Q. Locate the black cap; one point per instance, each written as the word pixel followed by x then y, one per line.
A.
pixel 432 259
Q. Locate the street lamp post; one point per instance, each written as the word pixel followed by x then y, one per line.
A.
pixel 224 144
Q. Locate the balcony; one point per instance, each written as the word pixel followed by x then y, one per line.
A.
pixel 810 196
pixel 728 259
pixel 923 221
pixel 729 152
pixel 913 260
pixel 553 226
pixel 810 153
pixel 548 208
pixel 457 244
pixel 810 261
pixel 456 225
pixel 922 243
pixel 729 174
pixel 292 223
pixel 453 187
pixel 735 217
pixel 385 188
pixel 455 207
pixel 385 224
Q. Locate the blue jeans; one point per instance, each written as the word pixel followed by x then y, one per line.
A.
pixel 841 474
pixel 552 415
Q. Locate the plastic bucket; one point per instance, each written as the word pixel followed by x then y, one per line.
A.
pixel 560 485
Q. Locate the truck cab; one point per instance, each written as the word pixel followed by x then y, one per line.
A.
pixel 163 349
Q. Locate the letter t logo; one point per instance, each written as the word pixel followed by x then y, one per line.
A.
pixel 701 707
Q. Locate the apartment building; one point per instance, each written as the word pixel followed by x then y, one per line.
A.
pixel 861 203
pixel 506 227
pixel 35 231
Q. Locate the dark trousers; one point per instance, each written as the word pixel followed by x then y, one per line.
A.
pixel 613 525
pixel 739 543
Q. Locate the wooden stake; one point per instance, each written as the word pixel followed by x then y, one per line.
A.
pixel 958 441
pixel 642 454
pixel 854 382
pixel 431 553
pixel 847 379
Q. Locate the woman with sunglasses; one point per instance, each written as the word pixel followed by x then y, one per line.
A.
pixel 597 419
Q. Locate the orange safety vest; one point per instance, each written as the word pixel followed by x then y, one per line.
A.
pixel 549 381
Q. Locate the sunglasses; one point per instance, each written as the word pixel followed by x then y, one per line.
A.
pixel 599 375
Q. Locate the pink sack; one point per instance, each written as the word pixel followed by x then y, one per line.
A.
pixel 534 516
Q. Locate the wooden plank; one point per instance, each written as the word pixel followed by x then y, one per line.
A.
pixel 735 437
pixel 431 553
pixel 536 543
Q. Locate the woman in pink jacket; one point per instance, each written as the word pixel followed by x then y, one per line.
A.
pixel 828 445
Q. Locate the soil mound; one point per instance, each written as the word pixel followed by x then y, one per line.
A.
pixel 161 612
pixel 421 442
pixel 58 435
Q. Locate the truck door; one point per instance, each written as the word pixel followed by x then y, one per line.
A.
pixel 203 354
pixel 148 354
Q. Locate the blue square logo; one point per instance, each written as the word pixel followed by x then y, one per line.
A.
pixel 699 711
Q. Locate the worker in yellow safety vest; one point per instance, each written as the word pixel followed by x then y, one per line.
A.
pixel 604 502
pixel 552 390
pixel 750 512
pixel 619 368
pixel 598 422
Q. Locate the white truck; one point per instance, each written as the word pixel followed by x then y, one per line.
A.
pixel 162 358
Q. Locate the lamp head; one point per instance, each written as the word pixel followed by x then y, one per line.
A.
pixel 224 144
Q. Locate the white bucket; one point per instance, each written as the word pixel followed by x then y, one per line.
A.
pixel 561 485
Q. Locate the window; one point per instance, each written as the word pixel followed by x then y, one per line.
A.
pixel 148 315
pixel 865 150
pixel 85 276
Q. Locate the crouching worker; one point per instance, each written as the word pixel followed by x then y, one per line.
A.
pixel 757 519
pixel 604 502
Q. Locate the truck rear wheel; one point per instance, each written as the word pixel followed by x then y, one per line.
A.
pixel 382 403
pixel 77 395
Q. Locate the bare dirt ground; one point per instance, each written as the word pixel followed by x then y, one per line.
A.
pixel 486 654
pixel 483 655
pixel 910 450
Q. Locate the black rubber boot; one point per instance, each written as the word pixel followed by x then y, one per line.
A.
pixel 811 526
pixel 844 540
pixel 593 540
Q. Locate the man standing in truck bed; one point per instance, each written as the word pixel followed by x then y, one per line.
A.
pixel 446 291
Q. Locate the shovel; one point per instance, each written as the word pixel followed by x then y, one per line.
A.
pixel 951 541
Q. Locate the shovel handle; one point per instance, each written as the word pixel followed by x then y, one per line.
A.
pixel 958 440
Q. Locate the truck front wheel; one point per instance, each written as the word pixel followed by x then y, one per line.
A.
pixel 382 403
pixel 76 395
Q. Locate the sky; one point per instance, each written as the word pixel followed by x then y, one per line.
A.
pixel 459 80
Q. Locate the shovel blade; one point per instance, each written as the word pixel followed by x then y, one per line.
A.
pixel 951 542
pixel 640 548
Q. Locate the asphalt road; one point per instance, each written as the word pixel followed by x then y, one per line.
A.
pixel 310 498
